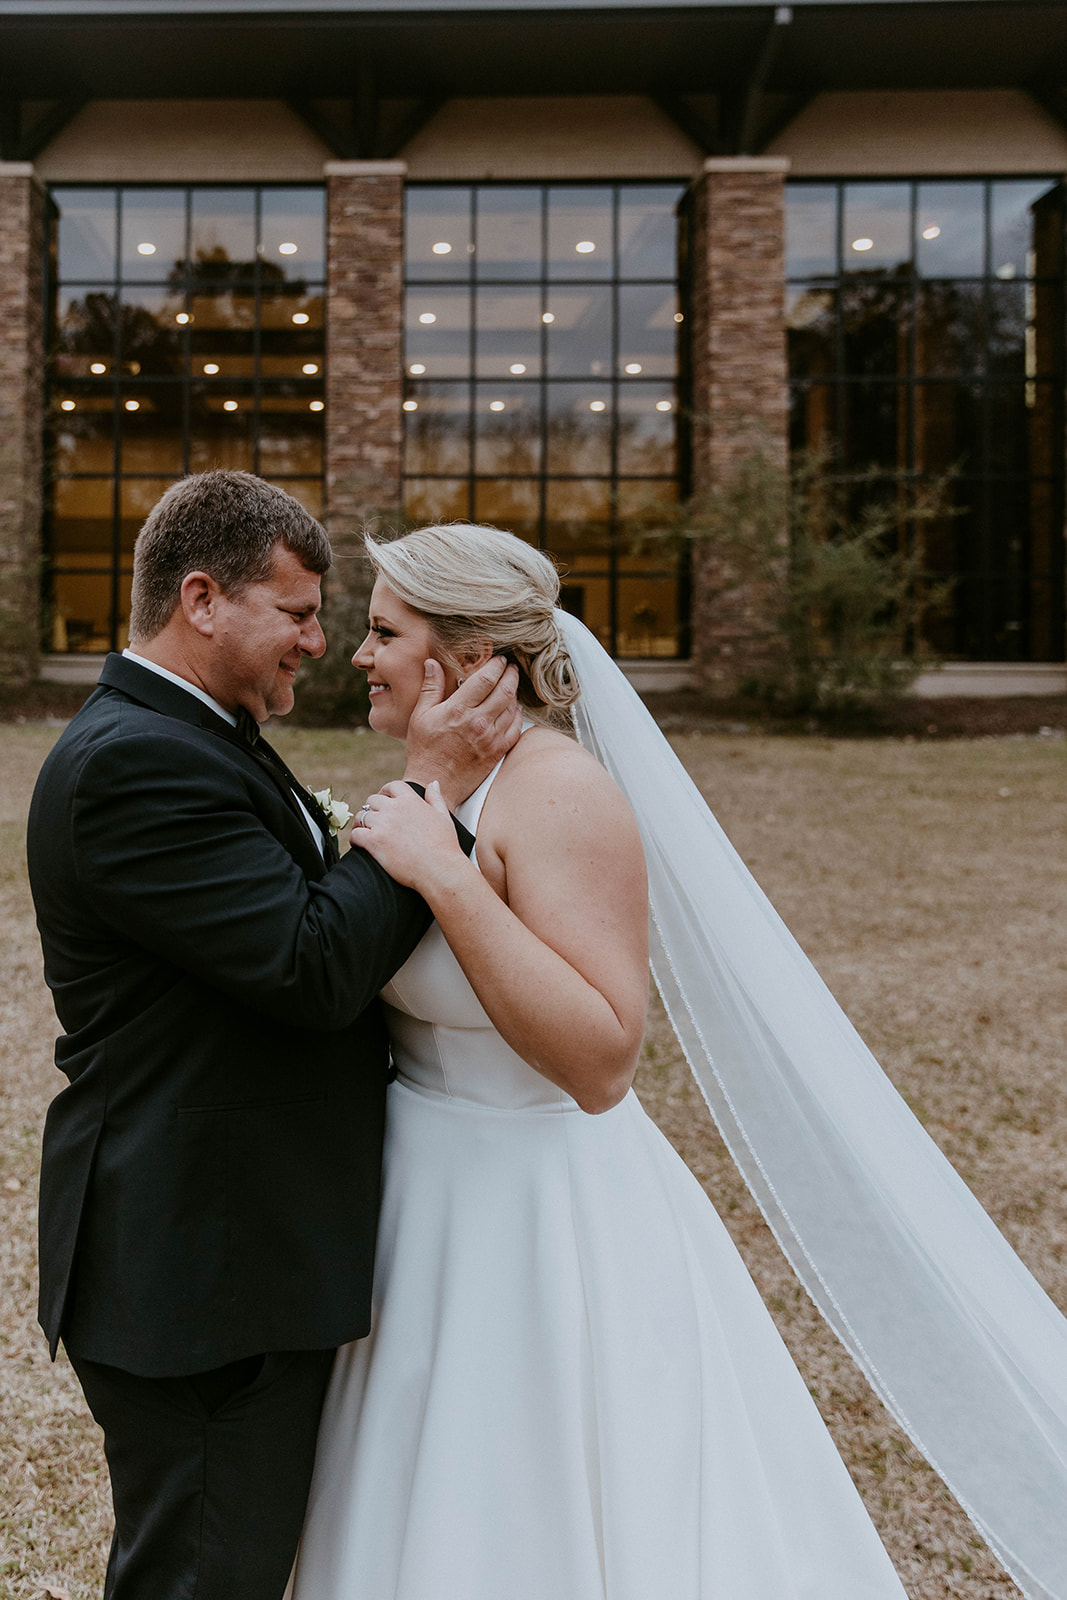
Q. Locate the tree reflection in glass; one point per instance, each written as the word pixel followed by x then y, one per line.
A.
pixel 578 523
pixel 647 425
pixel 578 431
pixel 507 429
pixel 437 429
pixel 513 506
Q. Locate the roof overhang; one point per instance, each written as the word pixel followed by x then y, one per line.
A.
pixel 188 49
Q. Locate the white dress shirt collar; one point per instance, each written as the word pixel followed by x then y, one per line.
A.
pixel 182 683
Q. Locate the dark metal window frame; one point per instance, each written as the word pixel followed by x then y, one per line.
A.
pixel 546 284
pixel 982 476
pixel 118 384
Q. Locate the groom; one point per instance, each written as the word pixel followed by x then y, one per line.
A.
pixel 210 1175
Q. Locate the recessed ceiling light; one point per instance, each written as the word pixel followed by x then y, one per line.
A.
pixel 597 405
pixel 442 248
pixel 496 405
pixel 1007 270
pixel 679 317
pixel 287 249
pixel 66 405
pixel 182 317
pixel 863 244
pixel 932 232
pixel 411 405
pixel 310 368
pixel 633 367
pixel 548 316
pixel 517 367
pixel 97 367
pixel 417 369
pixel 300 318
pixel 585 247
pixel 426 317
pixel 316 405
pixel 229 405
pixel 133 405
pixel 664 405
pixel 211 367
pixel 146 249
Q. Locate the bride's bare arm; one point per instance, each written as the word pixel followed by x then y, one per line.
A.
pixel 560 964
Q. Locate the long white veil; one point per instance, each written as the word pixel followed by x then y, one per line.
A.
pixel 960 1342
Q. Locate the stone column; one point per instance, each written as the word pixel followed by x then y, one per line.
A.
pixel 364 339
pixel 739 390
pixel 22 241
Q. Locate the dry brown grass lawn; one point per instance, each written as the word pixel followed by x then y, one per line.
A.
pixel 928 883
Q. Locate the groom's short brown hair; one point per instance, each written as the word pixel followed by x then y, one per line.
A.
pixel 226 524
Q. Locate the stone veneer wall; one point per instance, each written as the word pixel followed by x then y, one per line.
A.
pixel 364 360
pixel 739 385
pixel 22 222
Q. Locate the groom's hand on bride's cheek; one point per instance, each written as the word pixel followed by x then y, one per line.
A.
pixel 459 739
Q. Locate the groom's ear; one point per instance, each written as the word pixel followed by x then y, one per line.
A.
pixel 200 594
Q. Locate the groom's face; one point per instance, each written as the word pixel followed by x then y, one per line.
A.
pixel 262 635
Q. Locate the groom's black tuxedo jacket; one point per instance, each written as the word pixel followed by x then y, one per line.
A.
pixel 211 1174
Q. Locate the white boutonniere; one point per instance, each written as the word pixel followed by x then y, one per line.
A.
pixel 338 812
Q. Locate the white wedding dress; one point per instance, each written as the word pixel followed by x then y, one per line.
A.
pixel 571 1389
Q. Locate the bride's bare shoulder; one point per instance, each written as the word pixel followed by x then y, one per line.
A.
pixel 549 769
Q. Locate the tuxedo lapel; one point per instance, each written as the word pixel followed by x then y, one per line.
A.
pixel 266 753
pixel 149 689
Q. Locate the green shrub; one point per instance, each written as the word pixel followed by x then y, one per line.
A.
pixel 837 563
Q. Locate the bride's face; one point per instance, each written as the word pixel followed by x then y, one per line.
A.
pixel 392 655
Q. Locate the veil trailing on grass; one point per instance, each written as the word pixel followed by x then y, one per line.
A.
pixel 964 1347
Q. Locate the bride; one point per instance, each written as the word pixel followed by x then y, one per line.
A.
pixel 571 1389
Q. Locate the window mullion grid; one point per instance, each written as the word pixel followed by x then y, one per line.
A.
pixel 51 302
pixel 613 459
pixel 906 537
pixel 542 405
pixel 117 454
pixel 983 565
pixel 839 443
pixel 472 389
pixel 257 325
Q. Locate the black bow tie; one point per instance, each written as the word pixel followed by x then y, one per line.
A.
pixel 247 726
pixel 248 731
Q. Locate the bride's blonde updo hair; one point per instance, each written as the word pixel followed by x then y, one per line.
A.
pixel 476 584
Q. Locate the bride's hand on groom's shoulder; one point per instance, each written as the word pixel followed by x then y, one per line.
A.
pixel 457 740
pixel 414 839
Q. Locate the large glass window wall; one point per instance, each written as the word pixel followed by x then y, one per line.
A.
pixel 926 337
pixel 186 334
pixel 541 384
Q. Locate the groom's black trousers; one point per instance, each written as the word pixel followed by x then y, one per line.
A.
pixel 209 1474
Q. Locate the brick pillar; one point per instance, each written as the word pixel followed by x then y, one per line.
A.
pixel 22 238
pixel 739 388
pixel 364 344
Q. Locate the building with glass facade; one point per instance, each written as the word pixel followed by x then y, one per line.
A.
pixel 556 268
